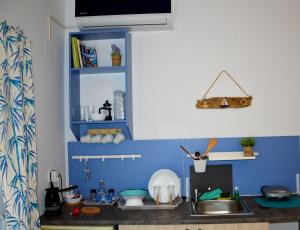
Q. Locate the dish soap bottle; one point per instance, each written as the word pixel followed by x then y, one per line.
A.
pixel 236 193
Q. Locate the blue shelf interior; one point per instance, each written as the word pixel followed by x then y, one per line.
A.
pixel 78 127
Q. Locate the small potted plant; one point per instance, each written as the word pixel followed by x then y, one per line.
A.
pixel 116 55
pixel 248 143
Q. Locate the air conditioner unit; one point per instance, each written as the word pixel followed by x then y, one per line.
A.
pixel 132 14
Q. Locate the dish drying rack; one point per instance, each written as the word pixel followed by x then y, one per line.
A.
pixel 150 204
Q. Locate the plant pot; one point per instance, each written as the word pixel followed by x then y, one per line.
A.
pixel 248 151
pixel 116 59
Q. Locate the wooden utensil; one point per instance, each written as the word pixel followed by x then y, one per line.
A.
pixel 90 210
pixel 191 155
pixel 212 143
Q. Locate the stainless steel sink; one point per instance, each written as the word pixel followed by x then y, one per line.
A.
pixel 220 207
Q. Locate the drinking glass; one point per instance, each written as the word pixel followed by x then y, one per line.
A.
pixel 171 192
pixel 90 111
pixel 83 113
pixel 119 105
pixel 157 193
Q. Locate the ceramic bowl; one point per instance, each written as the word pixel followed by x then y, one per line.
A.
pixel 98 117
pixel 108 138
pixel 71 200
pixel 119 137
pixel 133 197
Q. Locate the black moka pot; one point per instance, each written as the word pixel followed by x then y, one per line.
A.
pixel 53 203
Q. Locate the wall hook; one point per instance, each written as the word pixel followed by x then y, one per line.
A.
pixel 103 158
pixel 80 159
pixel 122 158
pixel 133 157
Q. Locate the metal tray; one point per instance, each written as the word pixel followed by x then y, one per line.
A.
pixel 150 204
pixel 93 203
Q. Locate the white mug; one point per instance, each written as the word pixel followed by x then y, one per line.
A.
pixel 96 139
pixel 119 138
pixel 108 138
pixel 85 139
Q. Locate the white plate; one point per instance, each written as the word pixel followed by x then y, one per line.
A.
pixel 163 178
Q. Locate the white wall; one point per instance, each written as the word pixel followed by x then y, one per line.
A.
pixel 256 41
pixel 32 17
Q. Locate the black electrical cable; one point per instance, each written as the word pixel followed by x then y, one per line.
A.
pixel 62 197
pixel 51 183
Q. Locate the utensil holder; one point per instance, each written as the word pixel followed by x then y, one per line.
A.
pixel 200 166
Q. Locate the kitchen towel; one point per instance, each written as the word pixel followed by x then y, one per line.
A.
pixel 293 202
pixel 210 195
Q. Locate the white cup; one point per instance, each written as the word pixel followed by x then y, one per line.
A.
pixel 108 138
pixel 94 139
pixel 119 138
pixel 98 138
pixel 85 139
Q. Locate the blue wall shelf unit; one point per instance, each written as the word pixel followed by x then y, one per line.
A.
pixel 101 40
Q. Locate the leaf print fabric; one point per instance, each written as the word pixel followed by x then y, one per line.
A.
pixel 18 161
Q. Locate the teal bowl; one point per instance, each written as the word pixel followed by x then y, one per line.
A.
pixel 133 194
pixel 133 197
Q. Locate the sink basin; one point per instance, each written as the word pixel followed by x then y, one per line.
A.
pixel 220 207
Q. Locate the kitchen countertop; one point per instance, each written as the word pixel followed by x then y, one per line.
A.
pixel 112 215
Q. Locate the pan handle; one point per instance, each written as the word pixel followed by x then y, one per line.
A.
pixel 69 188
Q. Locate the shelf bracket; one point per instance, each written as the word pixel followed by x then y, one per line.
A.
pixel 229 156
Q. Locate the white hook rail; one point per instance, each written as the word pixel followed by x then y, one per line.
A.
pixel 102 157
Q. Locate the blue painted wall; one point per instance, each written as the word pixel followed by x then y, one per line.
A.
pixel 277 163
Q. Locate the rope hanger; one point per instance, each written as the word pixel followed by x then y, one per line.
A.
pixel 224 102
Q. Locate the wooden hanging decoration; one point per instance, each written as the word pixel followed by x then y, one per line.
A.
pixel 224 102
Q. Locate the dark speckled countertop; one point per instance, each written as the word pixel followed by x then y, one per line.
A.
pixel 112 215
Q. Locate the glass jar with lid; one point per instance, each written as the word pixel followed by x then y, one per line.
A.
pixel 119 105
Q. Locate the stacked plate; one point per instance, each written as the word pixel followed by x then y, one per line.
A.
pixel 164 179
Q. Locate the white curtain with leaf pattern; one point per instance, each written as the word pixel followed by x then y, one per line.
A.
pixel 18 162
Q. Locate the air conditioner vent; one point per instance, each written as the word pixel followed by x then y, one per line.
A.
pixel 134 21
